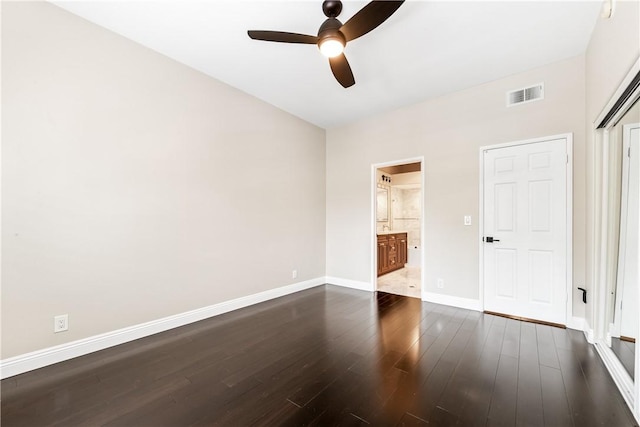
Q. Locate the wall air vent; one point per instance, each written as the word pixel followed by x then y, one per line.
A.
pixel 526 94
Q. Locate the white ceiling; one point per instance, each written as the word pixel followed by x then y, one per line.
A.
pixel 426 49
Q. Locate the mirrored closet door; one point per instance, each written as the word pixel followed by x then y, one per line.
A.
pixel 624 165
pixel 617 297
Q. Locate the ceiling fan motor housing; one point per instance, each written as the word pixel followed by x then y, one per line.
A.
pixel 330 29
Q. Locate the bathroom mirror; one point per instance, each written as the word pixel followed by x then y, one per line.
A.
pixel 382 204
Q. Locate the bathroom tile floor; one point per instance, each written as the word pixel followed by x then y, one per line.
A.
pixel 405 281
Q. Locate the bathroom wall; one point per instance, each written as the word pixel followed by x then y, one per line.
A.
pixel 405 203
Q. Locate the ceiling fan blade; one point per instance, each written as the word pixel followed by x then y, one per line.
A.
pixel 342 70
pixel 279 36
pixel 368 18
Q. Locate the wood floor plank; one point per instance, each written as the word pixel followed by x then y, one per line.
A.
pixel 375 393
pixel 474 410
pixel 441 417
pixel 547 354
pixel 584 410
pixel 460 382
pixel 430 392
pixel 329 356
pixel 396 406
pixel 602 389
pixel 280 415
pixel 529 405
pixel 409 420
pixel 511 342
pixel 554 398
pixel 330 404
pixel 504 399
pixel 317 382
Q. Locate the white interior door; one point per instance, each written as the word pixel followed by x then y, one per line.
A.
pixel 628 254
pixel 525 213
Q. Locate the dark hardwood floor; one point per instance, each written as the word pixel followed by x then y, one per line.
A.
pixel 330 356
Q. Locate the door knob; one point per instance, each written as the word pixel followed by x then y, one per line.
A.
pixel 490 239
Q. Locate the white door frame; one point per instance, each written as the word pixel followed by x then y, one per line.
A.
pixel 570 322
pixel 374 232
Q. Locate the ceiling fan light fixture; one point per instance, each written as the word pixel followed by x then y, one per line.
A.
pixel 331 47
pixel 333 36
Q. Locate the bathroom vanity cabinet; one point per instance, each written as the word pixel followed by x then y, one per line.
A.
pixel 392 252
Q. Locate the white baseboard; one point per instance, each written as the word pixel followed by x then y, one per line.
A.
pixel 48 356
pixel 469 304
pixel 348 283
pixel 576 323
pixel 588 332
pixel 618 373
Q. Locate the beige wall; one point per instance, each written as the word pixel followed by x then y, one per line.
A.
pixel 135 188
pixel 448 132
pixel 614 47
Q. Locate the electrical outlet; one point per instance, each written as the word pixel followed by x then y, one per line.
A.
pixel 440 283
pixel 294 274
pixel 61 323
pixel 467 220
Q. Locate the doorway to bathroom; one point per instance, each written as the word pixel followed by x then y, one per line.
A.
pixel 398 229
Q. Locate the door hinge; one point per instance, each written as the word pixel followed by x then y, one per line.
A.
pixel 629 152
pixel 567 159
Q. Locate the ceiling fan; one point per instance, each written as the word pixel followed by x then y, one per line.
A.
pixel 333 35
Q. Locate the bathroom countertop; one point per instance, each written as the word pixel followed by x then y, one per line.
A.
pixel 384 233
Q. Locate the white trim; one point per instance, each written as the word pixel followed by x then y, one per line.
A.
pixel 588 332
pixel 635 68
pixel 374 232
pixel 568 137
pixel 617 372
pixel 453 301
pixel 48 356
pixel 604 225
pixel 576 323
pixel 599 298
pixel 423 228
pixel 481 231
pixel 348 283
pixel 569 273
pixel 526 141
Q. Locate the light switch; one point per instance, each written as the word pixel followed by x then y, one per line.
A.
pixel 467 220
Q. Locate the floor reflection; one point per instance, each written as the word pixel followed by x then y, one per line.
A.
pixel 626 352
pixel 398 348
